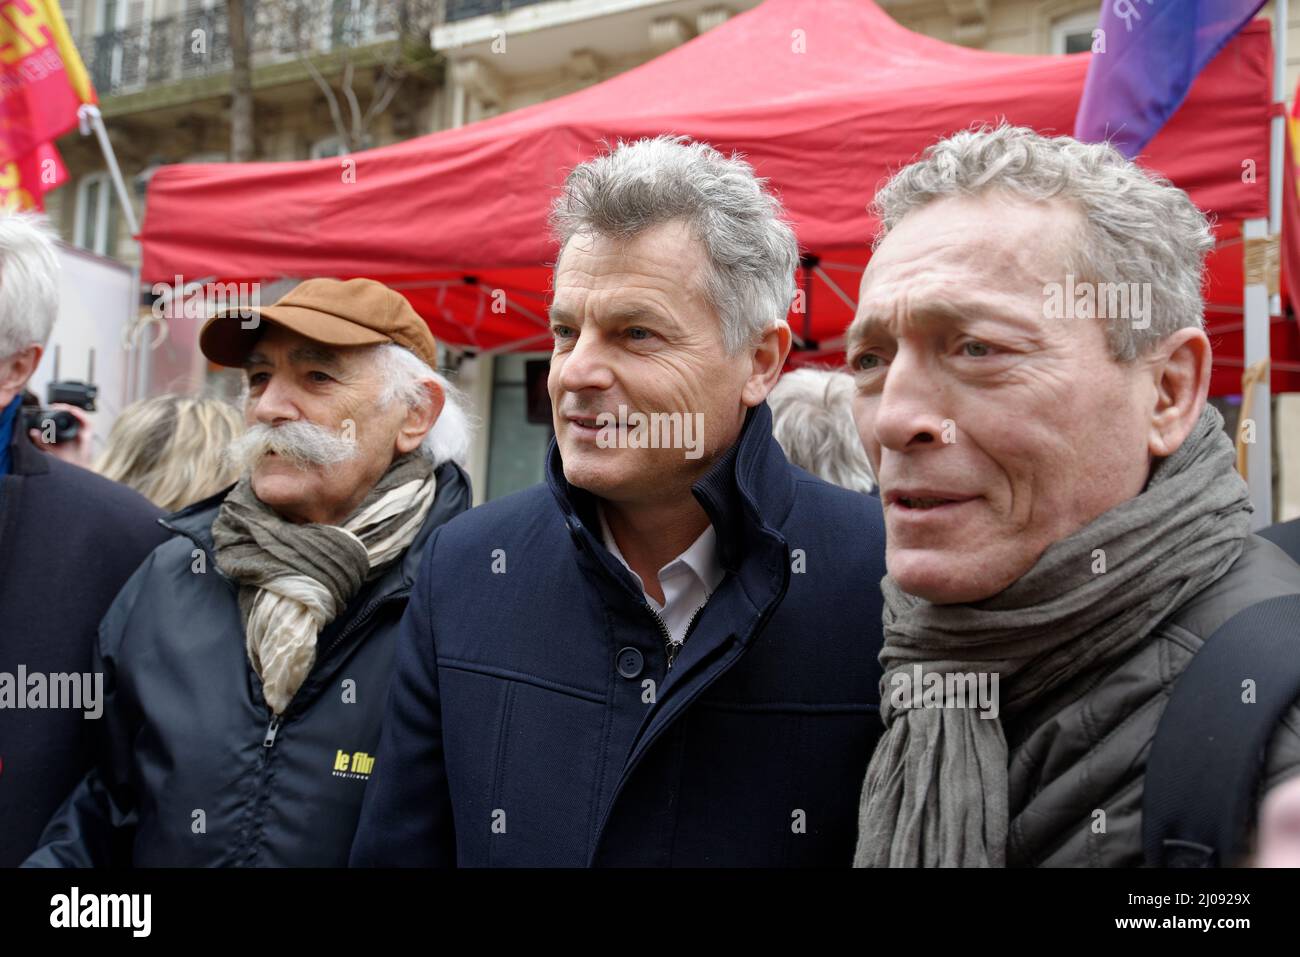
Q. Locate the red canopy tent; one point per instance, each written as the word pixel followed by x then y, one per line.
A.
pixel 824 97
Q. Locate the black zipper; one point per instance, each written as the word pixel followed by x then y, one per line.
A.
pixel 673 648
pixel 272 730
pixel 663 630
pixel 255 813
pixel 277 721
pixel 362 617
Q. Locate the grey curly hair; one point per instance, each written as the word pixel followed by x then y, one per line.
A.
pixel 1137 226
pixel 751 251
pixel 812 421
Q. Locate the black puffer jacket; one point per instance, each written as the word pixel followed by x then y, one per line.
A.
pixel 1084 749
pixel 193 770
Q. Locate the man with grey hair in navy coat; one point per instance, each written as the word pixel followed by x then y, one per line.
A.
pixel 666 653
pixel 69 539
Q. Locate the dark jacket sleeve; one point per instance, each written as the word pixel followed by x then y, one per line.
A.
pixel 89 830
pixel 94 826
pixel 406 818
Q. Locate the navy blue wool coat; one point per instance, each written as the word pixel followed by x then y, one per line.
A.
pixel 533 719
pixel 69 539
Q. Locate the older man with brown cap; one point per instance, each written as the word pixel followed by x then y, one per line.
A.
pixel 247 660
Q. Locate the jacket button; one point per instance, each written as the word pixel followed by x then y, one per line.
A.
pixel 630 662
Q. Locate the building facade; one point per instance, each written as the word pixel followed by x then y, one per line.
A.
pixel 163 72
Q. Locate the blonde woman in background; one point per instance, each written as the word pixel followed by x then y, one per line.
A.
pixel 171 449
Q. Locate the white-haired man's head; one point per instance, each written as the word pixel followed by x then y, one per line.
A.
pixel 326 422
pixel 405 377
pixel 812 420
pixel 29 298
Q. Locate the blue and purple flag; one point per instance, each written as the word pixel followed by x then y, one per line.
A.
pixel 1153 50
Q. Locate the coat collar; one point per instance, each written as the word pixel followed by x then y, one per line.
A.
pixel 25 458
pixel 747 493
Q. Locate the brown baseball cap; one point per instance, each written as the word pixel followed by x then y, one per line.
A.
pixel 356 312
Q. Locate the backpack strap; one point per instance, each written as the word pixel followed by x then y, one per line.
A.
pixel 1207 759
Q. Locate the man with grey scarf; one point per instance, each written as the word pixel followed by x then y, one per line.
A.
pixel 1065 526
pixel 248 659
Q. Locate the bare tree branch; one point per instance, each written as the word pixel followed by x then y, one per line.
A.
pixel 331 99
pixel 349 28
pixel 379 104
pixel 353 105
pixel 386 87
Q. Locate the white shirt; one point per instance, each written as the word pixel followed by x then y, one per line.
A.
pixel 688 580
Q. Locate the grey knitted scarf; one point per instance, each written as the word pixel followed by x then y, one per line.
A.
pixel 295 578
pixel 935 793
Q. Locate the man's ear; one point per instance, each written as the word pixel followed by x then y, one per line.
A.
pixel 767 358
pixel 16 369
pixel 420 418
pixel 1181 375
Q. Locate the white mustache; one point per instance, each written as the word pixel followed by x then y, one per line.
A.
pixel 304 444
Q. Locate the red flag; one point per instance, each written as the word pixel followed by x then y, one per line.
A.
pixel 1290 252
pixel 42 79
pixel 25 181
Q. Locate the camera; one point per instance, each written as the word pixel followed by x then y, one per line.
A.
pixel 66 426
pixel 67 392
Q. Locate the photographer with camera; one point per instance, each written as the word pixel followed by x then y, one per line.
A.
pixel 69 539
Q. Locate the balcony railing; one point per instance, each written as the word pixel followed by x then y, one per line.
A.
pixel 464 9
pixel 171 49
